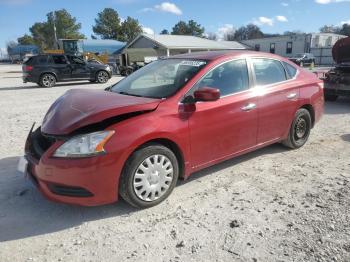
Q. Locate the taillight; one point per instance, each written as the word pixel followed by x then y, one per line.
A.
pixel 321 85
pixel 28 68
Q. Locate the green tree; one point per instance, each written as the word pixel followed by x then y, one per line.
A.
pixel 250 31
pixel 25 40
pixel 164 32
pixel 345 30
pixel 108 24
pixel 43 33
pixel 189 28
pixel 329 29
pixel 130 29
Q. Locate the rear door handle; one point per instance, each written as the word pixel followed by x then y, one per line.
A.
pixel 248 107
pixel 292 96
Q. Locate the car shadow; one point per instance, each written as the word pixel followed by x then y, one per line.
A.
pixel 39 87
pixel 341 106
pixel 24 212
pixel 272 149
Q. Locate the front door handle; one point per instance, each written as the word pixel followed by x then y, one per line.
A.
pixel 292 96
pixel 248 107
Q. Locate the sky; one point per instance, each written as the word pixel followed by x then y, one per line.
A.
pixel 272 16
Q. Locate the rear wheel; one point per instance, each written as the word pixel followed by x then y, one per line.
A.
pixel 149 176
pixel 331 98
pixel 102 77
pixel 300 129
pixel 47 80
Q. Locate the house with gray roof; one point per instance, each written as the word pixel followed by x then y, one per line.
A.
pixel 146 47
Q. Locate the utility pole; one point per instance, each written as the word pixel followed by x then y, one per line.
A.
pixel 54 29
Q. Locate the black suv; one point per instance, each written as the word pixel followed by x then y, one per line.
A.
pixel 46 70
pixel 303 59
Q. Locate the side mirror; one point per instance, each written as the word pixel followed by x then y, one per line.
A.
pixel 206 94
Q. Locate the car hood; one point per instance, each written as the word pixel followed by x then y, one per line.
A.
pixel 81 107
pixel 341 51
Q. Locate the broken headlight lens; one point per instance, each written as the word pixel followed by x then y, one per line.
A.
pixel 84 145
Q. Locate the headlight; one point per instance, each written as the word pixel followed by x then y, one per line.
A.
pixel 84 145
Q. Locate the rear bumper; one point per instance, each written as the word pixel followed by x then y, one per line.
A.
pixel 337 89
pixel 29 78
pixel 87 182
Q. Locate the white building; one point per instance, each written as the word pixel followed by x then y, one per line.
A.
pixel 145 46
pixel 3 54
pixel 319 44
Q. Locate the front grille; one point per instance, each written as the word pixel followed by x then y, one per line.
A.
pixel 39 144
pixel 69 191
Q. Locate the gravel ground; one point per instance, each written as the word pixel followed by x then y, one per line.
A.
pixel 270 205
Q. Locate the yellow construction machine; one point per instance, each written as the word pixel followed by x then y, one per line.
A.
pixel 75 47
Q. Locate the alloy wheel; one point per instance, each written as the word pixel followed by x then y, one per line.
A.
pixel 102 77
pixel 48 80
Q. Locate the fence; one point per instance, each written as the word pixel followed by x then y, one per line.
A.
pixel 323 56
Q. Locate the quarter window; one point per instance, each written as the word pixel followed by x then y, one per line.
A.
pixel 291 70
pixel 229 78
pixel 268 71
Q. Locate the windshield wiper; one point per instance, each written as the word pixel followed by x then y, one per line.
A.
pixel 128 94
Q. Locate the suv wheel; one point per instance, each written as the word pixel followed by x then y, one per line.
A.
pixel 47 80
pixel 149 176
pixel 300 130
pixel 102 77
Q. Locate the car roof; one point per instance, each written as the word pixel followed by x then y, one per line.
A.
pixel 214 55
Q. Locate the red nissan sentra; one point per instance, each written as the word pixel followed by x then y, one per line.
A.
pixel 167 120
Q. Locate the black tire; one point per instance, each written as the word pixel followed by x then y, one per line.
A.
pixel 126 185
pixel 47 80
pixel 330 98
pixel 102 77
pixel 128 72
pixel 300 129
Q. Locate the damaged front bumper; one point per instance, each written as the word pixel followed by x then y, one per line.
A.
pixel 86 181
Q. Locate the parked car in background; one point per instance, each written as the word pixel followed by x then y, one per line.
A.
pixel 138 137
pixel 47 70
pixel 303 59
pixel 337 80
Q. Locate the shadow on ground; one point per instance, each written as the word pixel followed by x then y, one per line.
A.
pixel 38 87
pixel 24 212
pixel 341 106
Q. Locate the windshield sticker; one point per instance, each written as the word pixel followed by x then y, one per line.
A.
pixel 193 63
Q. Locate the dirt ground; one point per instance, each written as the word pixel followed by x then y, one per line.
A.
pixel 270 205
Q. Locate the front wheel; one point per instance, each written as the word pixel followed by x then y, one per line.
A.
pixel 300 129
pixel 102 77
pixel 149 176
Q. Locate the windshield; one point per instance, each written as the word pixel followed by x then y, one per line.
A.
pixel 300 55
pixel 159 79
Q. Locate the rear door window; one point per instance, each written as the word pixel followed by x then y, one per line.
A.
pixel 59 59
pixel 268 71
